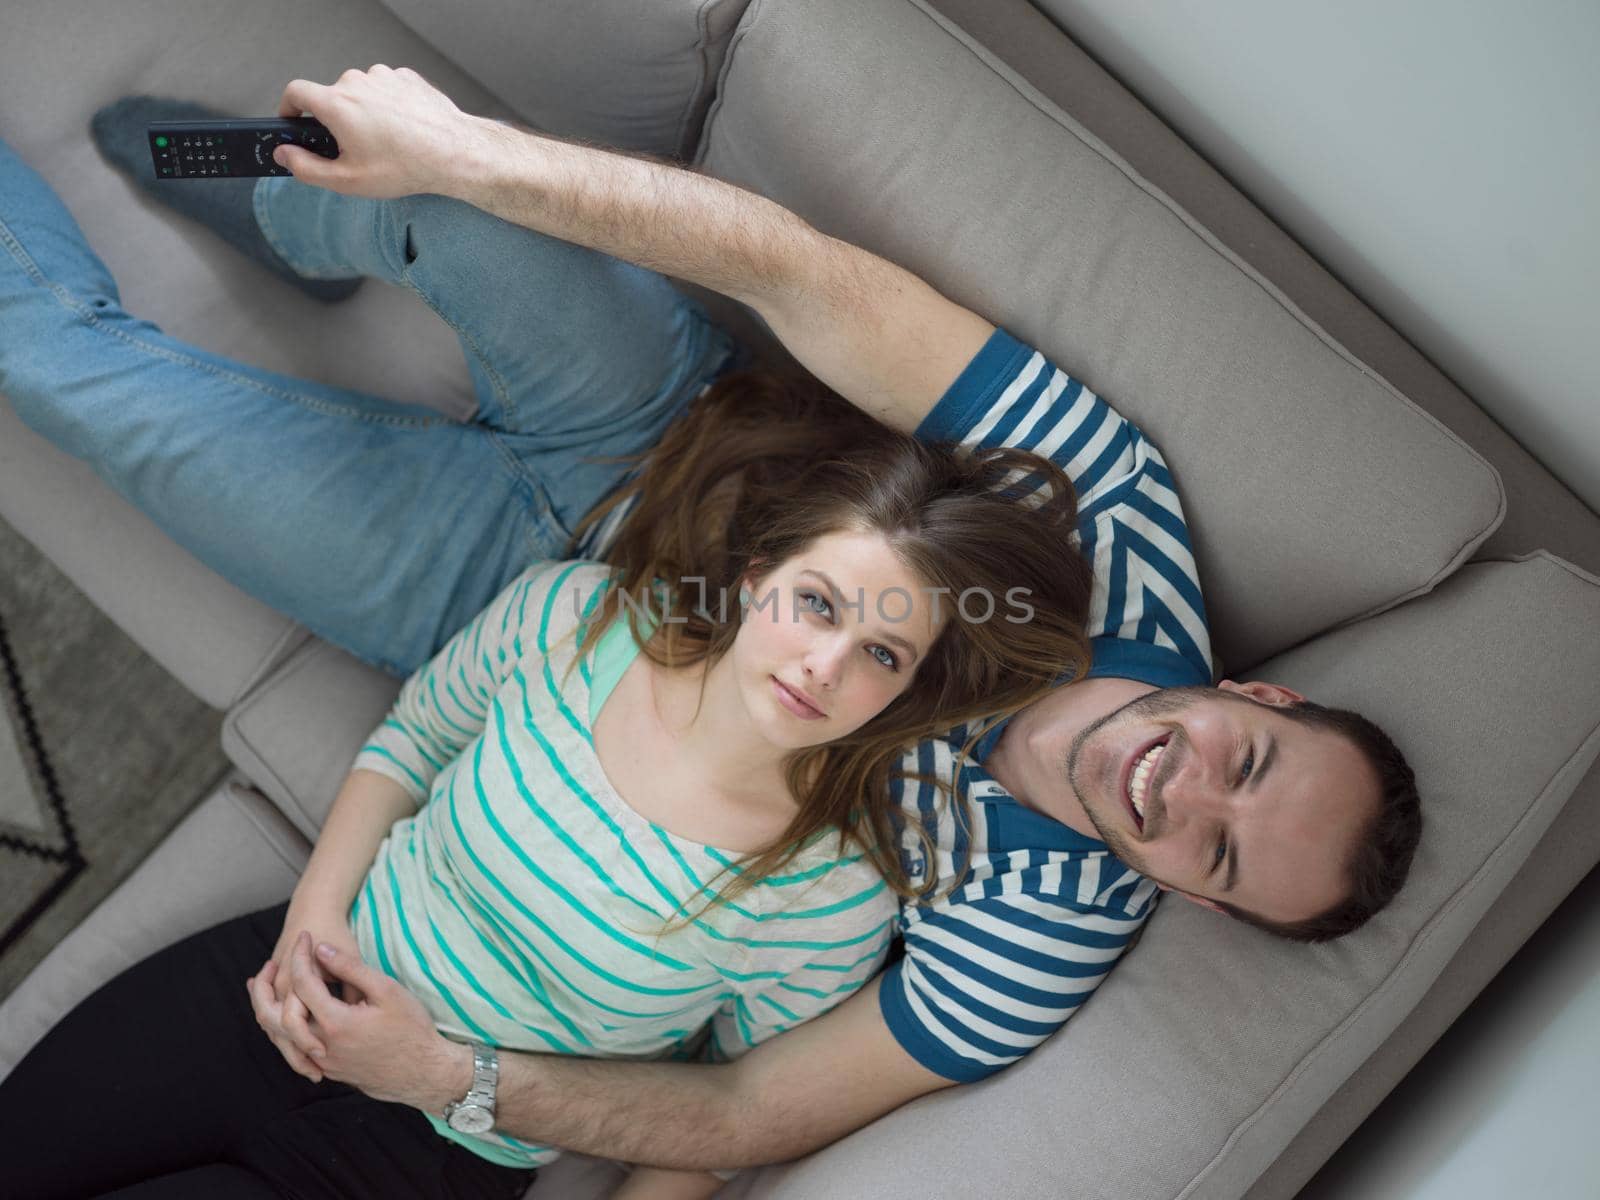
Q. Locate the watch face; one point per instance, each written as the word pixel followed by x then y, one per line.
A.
pixel 471 1118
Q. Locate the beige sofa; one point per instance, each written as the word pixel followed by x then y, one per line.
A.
pixel 1365 533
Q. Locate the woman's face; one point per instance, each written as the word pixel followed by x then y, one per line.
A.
pixel 831 637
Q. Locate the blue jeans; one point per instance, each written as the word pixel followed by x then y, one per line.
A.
pixel 382 527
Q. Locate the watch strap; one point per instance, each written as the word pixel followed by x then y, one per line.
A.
pixel 485 1075
pixel 485 1081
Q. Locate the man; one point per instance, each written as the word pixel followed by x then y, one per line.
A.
pixel 1139 778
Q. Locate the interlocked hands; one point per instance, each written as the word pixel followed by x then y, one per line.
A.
pixel 379 1039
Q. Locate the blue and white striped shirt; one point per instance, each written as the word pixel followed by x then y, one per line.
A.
pixel 1039 913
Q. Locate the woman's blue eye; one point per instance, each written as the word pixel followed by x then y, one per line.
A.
pixel 1248 767
pixel 817 603
pixel 886 657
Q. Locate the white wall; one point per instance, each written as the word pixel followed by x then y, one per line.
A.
pixel 1442 157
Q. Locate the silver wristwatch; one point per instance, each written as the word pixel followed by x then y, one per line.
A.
pixel 474 1112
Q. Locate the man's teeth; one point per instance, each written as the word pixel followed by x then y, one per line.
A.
pixel 1140 779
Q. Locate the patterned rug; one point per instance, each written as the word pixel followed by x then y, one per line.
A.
pixel 101 754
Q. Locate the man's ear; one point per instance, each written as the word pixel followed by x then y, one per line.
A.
pixel 1267 693
pixel 1193 899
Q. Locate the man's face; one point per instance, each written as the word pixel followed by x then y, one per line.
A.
pixel 1224 798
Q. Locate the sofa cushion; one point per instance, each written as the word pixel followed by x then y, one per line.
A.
pixel 637 74
pixel 232 855
pixel 297 734
pixel 1316 493
pixel 1541 512
pixel 1212 1043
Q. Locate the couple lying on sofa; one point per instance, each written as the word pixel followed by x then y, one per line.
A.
pixel 871 671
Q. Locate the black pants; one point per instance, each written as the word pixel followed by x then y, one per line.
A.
pixel 162 1085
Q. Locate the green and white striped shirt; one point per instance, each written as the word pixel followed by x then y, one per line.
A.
pixel 524 904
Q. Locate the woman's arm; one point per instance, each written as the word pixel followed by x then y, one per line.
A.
pixel 366 808
pixel 441 708
pixel 446 703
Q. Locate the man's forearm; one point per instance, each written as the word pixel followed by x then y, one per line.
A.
pixel 678 1115
pixel 685 1116
pixel 664 217
pixel 800 1091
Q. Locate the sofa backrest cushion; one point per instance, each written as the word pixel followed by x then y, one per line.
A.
pixel 1316 493
pixel 1212 1043
pixel 635 74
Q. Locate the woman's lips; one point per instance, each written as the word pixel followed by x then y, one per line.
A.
pixel 792 701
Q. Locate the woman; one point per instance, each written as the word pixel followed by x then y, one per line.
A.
pixel 621 853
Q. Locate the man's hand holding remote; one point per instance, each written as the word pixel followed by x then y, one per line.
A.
pixel 398 135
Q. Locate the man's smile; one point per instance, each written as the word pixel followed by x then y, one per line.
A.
pixel 1137 776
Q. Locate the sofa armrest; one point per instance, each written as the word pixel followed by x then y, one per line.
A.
pixel 233 854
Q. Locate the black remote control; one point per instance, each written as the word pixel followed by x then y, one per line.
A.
pixel 233 149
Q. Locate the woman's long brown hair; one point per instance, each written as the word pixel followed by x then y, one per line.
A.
pixel 761 467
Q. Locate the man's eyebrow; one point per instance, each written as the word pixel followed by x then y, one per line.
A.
pixel 1255 781
pixel 838 598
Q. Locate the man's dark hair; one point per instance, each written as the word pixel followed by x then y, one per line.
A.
pixel 1384 850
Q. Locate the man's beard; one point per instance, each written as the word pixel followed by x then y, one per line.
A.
pixel 1152 704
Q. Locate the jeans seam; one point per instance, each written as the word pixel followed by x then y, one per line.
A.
pixel 264 222
pixel 502 394
pixel 310 402
pixel 86 313
pixel 18 251
pixel 183 360
pixel 535 499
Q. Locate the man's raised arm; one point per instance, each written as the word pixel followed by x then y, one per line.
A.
pixel 872 331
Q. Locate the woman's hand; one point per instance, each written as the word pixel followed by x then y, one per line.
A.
pixel 387 1045
pixel 398 135
pixel 281 1014
pixel 325 923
